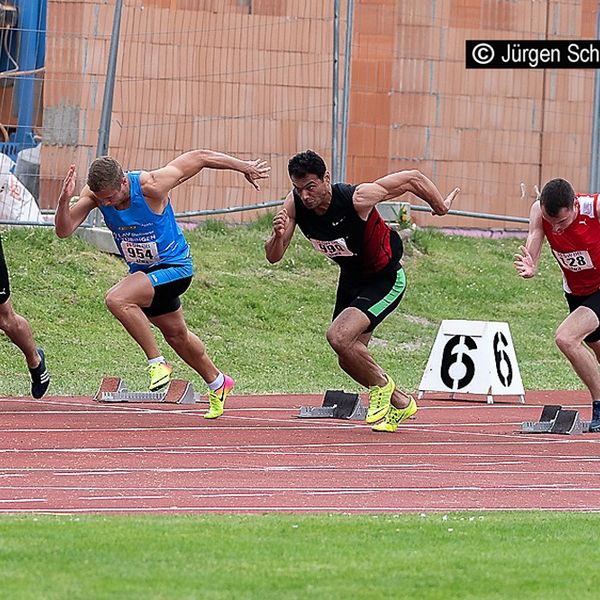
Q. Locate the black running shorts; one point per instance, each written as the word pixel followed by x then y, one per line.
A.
pixel 166 297
pixel 376 297
pixel 593 303
pixel 4 282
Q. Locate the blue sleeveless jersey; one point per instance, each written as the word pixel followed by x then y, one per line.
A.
pixel 144 238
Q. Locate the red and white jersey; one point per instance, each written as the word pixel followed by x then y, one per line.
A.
pixel 577 248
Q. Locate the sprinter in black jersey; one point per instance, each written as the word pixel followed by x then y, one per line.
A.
pixel 340 222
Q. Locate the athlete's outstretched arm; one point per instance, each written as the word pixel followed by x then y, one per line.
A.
pixel 69 217
pixel 527 261
pixel 367 195
pixel 284 223
pixel 157 184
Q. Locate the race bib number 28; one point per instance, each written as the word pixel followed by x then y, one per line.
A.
pixel 575 261
pixel 141 254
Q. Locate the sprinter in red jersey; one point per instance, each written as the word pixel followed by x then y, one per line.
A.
pixel 570 222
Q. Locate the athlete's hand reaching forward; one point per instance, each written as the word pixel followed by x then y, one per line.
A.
pixel 447 202
pixel 68 186
pixel 280 222
pixel 524 263
pixel 257 169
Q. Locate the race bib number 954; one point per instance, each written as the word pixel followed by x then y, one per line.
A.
pixel 575 261
pixel 332 248
pixel 141 254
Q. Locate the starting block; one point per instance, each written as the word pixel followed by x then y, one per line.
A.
pixel 113 389
pixel 109 385
pixel 555 419
pixel 336 405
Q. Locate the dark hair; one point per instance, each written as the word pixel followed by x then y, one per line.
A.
pixel 105 173
pixel 305 163
pixel 556 195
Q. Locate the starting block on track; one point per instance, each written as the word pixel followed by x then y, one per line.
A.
pixel 555 419
pixel 113 389
pixel 336 405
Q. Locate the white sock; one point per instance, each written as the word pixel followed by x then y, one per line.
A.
pixel 158 359
pixel 217 383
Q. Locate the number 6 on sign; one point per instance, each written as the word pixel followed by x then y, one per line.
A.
pixel 473 357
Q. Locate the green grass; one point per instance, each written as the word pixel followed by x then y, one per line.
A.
pixel 467 555
pixel 265 324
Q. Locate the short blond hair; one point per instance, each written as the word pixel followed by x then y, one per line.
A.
pixel 105 173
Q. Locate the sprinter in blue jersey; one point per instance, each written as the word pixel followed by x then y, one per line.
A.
pixel 137 209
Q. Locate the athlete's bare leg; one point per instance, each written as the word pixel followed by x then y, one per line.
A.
pixel 348 337
pixel 595 348
pixel 187 344
pixel 124 301
pixel 18 330
pixel 569 338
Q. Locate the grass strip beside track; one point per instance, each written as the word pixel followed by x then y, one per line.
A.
pixel 460 555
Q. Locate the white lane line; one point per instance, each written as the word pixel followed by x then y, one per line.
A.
pixel 259 490
pixel 199 450
pixel 121 497
pixel 234 495
pixel 367 469
pixel 420 508
pixel 19 500
pixel 497 463
pixel 350 452
pixel 107 411
pixel 91 407
pixel 243 491
pixel 296 399
pixel 202 426
pixel 440 488
pixel 89 430
pixel 555 487
pixel 94 473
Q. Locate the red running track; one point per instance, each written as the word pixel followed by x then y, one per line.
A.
pixel 70 455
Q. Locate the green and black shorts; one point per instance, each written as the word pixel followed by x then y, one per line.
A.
pixel 376 297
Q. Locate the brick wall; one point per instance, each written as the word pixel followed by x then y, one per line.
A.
pixel 485 131
pixel 253 78
pixel 253 83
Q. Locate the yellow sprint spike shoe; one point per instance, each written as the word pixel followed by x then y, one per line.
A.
pixel 217 399
pixel 395 416
pixel 380 401
pixel 160 374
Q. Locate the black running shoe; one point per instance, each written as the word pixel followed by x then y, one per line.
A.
pixel 40 378
pixel 595 422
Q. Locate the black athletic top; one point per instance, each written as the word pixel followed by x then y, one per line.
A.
pixel 361 248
